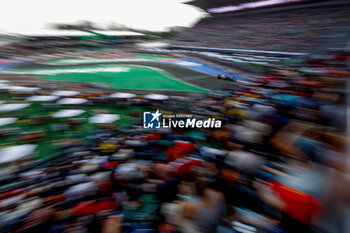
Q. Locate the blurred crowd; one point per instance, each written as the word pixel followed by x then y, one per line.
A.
pixel 293 30
pixel 21 55
pixel 278 164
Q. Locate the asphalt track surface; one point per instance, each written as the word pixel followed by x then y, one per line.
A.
pixel 183 73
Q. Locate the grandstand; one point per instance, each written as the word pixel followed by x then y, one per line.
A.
pixel 34 41
pixel 291 29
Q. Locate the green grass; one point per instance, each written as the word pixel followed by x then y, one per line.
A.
pixel 135 57
pixel 153 57
pixel 131 77
pixel 46 147
pixel 118 77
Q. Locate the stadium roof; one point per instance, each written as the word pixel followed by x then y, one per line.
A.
pixel 70 33
pixel 206 4
pixel 153 45
pixel 223 6
pixel 118 33
pixel 50 33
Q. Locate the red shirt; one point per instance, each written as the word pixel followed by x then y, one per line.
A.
pixel 300 206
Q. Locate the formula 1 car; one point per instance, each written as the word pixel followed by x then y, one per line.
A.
pixel 225 77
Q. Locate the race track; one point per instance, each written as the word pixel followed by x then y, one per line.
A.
pixel 183 73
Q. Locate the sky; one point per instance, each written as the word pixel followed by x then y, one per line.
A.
pixel 153 15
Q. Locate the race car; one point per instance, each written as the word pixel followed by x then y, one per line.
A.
pixel 225 77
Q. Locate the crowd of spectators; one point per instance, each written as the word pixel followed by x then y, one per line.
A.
pixel 277 164
pixel 293 30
